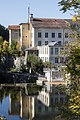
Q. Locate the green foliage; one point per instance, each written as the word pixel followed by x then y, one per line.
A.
pixel 6 56
pixel 1 40
pixel 4 33
pixel 35 63
pixel 33 89
pixel 72 62
pixel 69 5
pixel 48 64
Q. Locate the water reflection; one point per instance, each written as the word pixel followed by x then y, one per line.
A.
pixel 15 104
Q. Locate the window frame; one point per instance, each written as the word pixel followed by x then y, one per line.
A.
pixel 59 35
pixel 56 60
pixel 56 51
pixel 39 43
pixel 46 42
pixel 46 34
pixel 53 35
pixel 39 34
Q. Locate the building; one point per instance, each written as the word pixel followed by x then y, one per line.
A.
pixel 50 35
pixel 47 35
pixel 20 34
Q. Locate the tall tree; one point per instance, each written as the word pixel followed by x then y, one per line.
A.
pixel 4 32
pixel 72 62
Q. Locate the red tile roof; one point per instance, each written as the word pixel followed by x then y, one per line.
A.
pixel 49 23
pixel 13 27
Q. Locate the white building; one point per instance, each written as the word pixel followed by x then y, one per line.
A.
pixel 50 35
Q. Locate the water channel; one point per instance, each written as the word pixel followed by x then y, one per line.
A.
pixel 15 104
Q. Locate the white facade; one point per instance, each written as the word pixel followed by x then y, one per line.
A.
pixel 44 39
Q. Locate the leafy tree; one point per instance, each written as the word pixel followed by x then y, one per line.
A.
pixel 73 5
pixel 1 40
pixel 35 63
pixel 6 56
pixel 48 64
pixel 72 62
pixel 69 5
pixel 4 32
pixel 71 110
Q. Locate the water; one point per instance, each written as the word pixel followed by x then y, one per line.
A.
pixel 4 107
pixel 15 104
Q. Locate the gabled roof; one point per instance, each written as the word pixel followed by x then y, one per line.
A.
pixel 13 27
pixel 49 23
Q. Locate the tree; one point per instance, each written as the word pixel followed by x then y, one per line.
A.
pixel 4 32
pixel 73 5
pixel 6 56
pixel 69 5
pixel 71 110
pixel 48 64
pixel 35 63
pixel 72 62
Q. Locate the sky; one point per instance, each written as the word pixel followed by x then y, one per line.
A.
pixel 14 12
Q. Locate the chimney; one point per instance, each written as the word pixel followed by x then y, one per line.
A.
pixel 31 17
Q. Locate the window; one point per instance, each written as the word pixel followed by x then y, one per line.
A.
pixel 46 42
pixel 46 35
pixel 59 43
pixel 56 100
pixel 52 101
pixel 66 35
pixel 51 51
pixel 56 93
pixel 59 35
pixel 15 35
pixel 53 35
pixel 39 109
pixel 61 100
pixel 56 60
pixel 56 51
pixel 46 109
pixel 61 59
pixel 39 34
pixel 39 43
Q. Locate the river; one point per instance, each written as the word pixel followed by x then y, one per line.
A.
pixel 15 104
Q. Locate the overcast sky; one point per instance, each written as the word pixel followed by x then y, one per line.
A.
pixel 13 12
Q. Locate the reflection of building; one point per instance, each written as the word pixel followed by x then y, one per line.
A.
pixel 14 105
pixel 38 107
pixel 24 106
